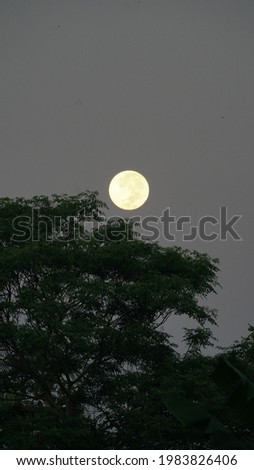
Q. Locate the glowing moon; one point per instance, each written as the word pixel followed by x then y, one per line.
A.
pixel 128 190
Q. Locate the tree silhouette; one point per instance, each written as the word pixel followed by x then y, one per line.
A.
pixel 84 356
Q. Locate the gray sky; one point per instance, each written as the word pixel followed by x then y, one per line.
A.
pixel 164 87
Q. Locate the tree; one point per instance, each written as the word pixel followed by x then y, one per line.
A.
pixel 81 325
pixel 234 375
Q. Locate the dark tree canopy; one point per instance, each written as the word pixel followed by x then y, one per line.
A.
pixel 85 362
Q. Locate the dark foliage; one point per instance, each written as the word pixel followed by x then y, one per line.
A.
pixel 85 362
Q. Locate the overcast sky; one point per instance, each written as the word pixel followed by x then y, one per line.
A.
pixel 164 87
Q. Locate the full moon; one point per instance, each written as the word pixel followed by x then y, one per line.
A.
pixel 128 190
